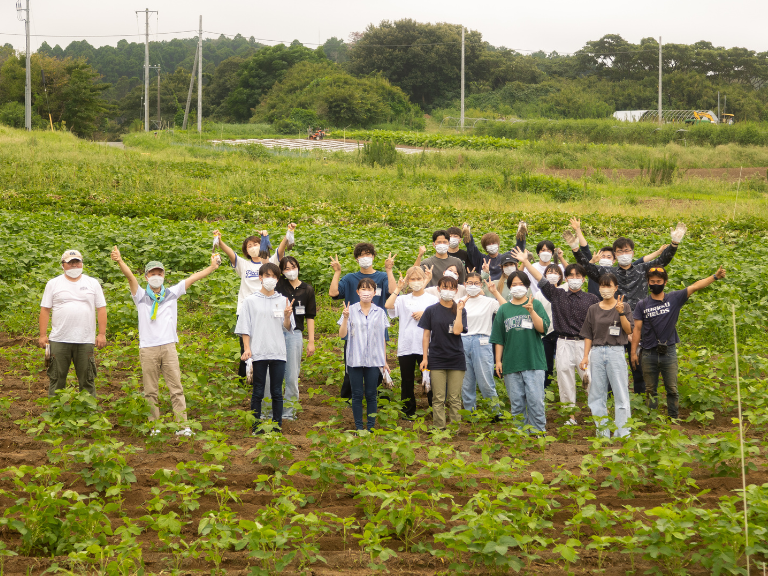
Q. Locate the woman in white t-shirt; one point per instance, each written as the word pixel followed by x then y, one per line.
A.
pixel 256 251
pixel 554 274
pixel 478 350
pixel 408 308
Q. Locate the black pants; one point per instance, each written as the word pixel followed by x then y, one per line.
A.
pixel 346 386
pixel 409 363
pixel 550 346
pixel 637 374
pixel 241 367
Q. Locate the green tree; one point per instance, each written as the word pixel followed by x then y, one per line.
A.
pixel 82 95
pixel 336 50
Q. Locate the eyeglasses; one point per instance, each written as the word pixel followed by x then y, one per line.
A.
pixel 656 269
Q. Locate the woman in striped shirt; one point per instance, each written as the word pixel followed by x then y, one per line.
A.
pixel 364 326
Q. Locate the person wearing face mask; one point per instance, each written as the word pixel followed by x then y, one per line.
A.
pixel 605 332
pixel 346 288
pixel 456 236
pixel 364 325
pixel 478 350
pixel 443 352
pixel 264 320
pixel 554 275
pixel 569 308
pixel 516 335
pixel 630 273
pixel 441 261
pixel 304 310
pixel 494 257
pixel 655 338
pixel 546 253
pixel 256 251
pixel 450 272
pixel 408 308
pixel 75 300
pixel 157 309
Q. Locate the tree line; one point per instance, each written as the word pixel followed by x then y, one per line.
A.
pixel 391 73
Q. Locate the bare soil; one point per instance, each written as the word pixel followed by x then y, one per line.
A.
pixel 17 448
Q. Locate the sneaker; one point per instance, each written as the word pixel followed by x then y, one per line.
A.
pixel 185 432
pixel 522 230
pixel 496 419
pixel 572 422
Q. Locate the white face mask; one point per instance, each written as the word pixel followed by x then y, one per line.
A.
pixel 474 290
pixel 269 284
pixel 553 279
pixel 451 274
pixel 416 285
pixel 453 242
pixel 366 296
pixel 575 283
pixel 508 270
pixel 253 251
pixel 607 262
pixel 155 281
pixel 607 293
pixel 624 259
pixel 447 294
pixel 73 272
pixel 545 256
pixel 518 292
pixel 365 261
pixel 291 274
pixel 492 248
pixel 441 248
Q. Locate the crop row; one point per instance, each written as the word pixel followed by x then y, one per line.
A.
pixel 427 140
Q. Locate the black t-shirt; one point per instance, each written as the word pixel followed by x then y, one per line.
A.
pixel 659 318
pixel 446 350
pixel 303 296
pixel 464 257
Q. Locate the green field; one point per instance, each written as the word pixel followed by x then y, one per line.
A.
pixel 85 487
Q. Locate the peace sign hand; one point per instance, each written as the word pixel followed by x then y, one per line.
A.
pixel 335 264
pixel 400 283
pixel 491 287
pixel 428 272
pixel 390 262
pixel 345 313
pixel 487 266
pixel 529 305
pixel 460 304
pixel 620 304
pixel 289 308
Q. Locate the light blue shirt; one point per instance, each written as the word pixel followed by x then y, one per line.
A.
pixel 366 337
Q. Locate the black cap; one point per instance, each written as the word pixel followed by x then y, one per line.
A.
pixel 507 259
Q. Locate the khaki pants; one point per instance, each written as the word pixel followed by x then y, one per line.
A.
pixel 157 359
pixel 62 356
pixel 446 389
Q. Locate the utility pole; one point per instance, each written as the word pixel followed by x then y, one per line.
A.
pixel 462 77
pixel 718 105
pixel 28 83
pixel 191 85
pixel 200 77
pixel 159 126
pixel 659 81
pixel 147 12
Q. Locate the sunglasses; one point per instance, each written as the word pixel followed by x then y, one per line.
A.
pixel 656 269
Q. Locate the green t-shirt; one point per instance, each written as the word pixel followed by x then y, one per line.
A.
pixel 523 349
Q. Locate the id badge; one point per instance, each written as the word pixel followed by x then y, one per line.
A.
pixel 614 330
pixel 527 323
pixel 378 291
pixel 277 313
pixel 450 328
pixel 299 310
pixel 484 341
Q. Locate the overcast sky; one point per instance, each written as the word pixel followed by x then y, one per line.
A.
pixel 558 25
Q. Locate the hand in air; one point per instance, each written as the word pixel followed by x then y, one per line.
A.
pixel 335 264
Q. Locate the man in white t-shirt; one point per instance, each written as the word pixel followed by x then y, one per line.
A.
pixel 75 300
pixel 547 255
pixel 158 314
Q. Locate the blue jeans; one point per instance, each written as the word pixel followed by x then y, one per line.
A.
pixel 479 359
pixel 655 364
pixel 364 382
pixel 294 348
pixel 526 396
pixel 276 369
pixel 609 371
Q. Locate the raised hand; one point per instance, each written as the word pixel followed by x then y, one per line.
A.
pixel 529 305
pixel 115 255
pixel 400 283
pixel 291 227
pixel 215 261
pixel 678 232
pixel 491 287
pixel 263 233
pixel 390 262
pixel 487 266
pixel 575 224
pixel 519 255
pixel 571 240
pixel 428 273
pixel 335 264
pixel 465 232
pixel 720 274
pixel 559 252
pixel 288 309
pixel 620 304
pixel 422 251
pixel 460 305
pixel 345 313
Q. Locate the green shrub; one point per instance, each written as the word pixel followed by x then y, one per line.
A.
pixel 381 152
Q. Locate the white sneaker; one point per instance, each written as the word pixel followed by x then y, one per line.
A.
pixel 185 432
pixel 571 422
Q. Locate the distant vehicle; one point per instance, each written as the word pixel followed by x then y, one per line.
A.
pixel 727 119
pixel 318 134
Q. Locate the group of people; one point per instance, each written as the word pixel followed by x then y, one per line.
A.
pixel 464 316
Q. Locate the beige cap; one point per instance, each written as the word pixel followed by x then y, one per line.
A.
pixel 71 255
